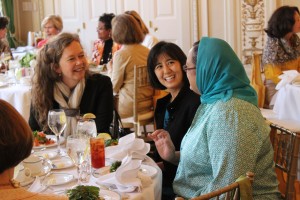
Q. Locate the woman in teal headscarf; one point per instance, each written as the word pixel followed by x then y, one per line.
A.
pixel 228 136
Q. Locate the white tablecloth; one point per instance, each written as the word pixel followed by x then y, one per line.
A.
pixel 151 192
pixel 19 96
pixel 287 103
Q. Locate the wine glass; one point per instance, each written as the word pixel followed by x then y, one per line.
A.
pixel 77 149
pixel 57 124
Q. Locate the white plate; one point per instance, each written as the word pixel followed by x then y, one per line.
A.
pixel 45 169
pixel 46 154
pixel 3 85
pixel 58 179
pixel 53 137
pixel 148 170
pixel 109 195
pixel 62 163
pixel 26 182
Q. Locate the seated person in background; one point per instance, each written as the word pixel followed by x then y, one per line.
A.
pixel 16 141
pixel 174 112
pixel 52 26
pixel 104 47
pixel 127 32
pixel 149 40
pixel 282 50
pixel 228 136
pixel 4 46
pixel 61 80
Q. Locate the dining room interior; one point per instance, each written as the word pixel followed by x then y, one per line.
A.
pixel 241 23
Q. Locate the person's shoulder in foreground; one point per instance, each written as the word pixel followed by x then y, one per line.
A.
pixel 23 194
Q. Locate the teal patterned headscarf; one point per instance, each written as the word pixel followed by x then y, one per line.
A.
pixel 220 73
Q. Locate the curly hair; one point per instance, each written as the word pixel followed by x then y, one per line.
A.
pixel 170 49
pixel 45 75
pixel 106 18
pixel 16 138
pixel 281 21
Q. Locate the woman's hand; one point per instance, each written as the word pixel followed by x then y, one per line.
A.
pixel 164 145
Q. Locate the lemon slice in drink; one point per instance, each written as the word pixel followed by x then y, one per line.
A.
pixel 105 136
pixel 62 118
pixel 89 116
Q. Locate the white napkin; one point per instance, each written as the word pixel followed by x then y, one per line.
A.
pixel 128 145
pixel 296 81
pixel 125 179
pixel 37 186
pixel 286 78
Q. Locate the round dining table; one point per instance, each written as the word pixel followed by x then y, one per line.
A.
pixel 152 191
pixel 19 96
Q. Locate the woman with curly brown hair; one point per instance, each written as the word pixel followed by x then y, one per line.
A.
pixel 62 80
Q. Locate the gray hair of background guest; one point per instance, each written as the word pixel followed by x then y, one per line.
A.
pixel 55 20
pixel 126 30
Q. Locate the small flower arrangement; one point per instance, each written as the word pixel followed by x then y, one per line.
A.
pixel 26 60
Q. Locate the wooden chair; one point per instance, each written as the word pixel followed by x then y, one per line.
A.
pixel 143 111
pixel 256 79
pixel 286 153
pixel 231 191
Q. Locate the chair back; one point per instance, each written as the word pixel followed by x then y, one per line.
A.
pixel 229 192
pixel 142 102
pixel 286 152
pixel 256 79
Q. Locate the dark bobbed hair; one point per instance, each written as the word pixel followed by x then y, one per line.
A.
pixel 16 138
pixel 3 22
pixel 126 30
pixel 281 21
pixel 169 49
pixel 106 18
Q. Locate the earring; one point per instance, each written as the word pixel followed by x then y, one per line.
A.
pixel 59 74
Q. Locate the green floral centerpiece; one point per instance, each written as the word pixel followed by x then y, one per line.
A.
pixel 25 61
pixel 84 192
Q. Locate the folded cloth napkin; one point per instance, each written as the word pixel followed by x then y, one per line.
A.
pixel 128 145
pixel 37 186
pixel 296 81
pixel 286 78
pixel 125 179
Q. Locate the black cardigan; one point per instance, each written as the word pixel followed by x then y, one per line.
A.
pixel 97 99
pixel 181 113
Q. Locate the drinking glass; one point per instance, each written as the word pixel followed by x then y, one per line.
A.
pixel 57 124
pixel 97 146
pixel 77 149
pixel 87 127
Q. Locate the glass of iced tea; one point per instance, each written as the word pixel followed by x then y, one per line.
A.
pixel 97 146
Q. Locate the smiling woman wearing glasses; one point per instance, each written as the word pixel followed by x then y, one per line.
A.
pixel 174 112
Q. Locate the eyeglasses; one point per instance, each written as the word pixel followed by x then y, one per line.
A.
pixel 185 68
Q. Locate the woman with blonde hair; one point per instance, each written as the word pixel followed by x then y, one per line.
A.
pixel 52 25
pixel 127 32
pixel 61 80
pixel 16 142
pixel 149 40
